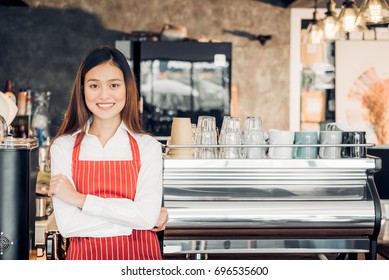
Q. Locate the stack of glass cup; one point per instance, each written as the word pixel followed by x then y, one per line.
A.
pixel 206 135
pixel 230 134
pixel 253 135
pixel 230 139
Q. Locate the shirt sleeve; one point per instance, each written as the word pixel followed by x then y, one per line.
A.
pixel 143 212
pixel 71 220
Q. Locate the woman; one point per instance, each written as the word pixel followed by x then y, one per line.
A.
pixel 106 172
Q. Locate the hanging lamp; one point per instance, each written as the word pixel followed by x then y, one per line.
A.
pixel 375 11
pixel 314 34
pixel 349 18
pixel 330 22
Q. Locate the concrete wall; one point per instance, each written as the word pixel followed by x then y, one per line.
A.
pixel 42 45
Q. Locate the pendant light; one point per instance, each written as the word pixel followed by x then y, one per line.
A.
pixel 330 22
pixel 349 18
pixel 375 11
pixel 314 34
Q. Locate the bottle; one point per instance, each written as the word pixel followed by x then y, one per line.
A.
pixel 29 113
pixel 44 164
pixel 22 102
pixel 9 91
pixel 23 130
pixel 330 109
pixel 29 103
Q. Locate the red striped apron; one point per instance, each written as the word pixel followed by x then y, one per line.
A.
pixel 110 179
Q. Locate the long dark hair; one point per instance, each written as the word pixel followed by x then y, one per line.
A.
pixel 77 113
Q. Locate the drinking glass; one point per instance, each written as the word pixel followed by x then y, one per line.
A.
pixel 206 135
pixel 230 134
pixel 253 135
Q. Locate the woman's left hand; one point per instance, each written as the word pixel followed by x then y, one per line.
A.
pixel 61 187
pixel 162 220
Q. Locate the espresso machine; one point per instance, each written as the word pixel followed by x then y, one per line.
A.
pixel 19 165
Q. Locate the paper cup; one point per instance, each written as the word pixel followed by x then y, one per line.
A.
pixel 181 134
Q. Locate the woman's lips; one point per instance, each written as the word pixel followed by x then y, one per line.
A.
pixel 105 106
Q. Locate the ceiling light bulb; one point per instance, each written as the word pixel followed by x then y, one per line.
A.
pixel 330 22
pixel 330 28
pixel 375 11
pixel 315 34
pixel 349 18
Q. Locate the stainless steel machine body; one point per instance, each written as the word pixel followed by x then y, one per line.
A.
pixel 271 206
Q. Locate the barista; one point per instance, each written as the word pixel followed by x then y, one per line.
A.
pixel 106 172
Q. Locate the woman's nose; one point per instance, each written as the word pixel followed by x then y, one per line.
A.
pixel 104 93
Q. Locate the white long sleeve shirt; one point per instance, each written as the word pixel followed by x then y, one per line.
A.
pixel 100 217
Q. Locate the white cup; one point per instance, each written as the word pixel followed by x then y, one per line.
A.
pixel 281 137
pixel 328 138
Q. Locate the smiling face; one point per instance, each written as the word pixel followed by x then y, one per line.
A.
pixel 105 92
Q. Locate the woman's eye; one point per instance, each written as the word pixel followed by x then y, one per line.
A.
pixel 115 85
pixel 94 86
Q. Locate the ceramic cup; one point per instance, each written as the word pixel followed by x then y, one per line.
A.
pixel 354 137
pixel 332 126
pixel 281 137
pixel 328 138
pixel 305 138
pixel 181 134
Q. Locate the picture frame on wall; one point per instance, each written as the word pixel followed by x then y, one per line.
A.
pixel 362 88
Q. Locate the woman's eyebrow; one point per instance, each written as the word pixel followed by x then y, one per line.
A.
pixel 97 80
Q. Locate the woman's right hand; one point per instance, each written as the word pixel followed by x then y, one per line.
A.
pixel 61 187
